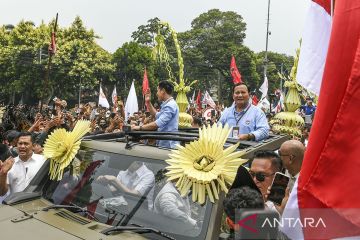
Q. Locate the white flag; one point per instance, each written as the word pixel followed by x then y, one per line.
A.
pixel 208 100
pixel 102 99
pixel 192 100
pixel 314 46
pixel 264 88
pixel 114 98
pixel 131 105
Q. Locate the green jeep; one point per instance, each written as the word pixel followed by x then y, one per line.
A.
pixel 82 206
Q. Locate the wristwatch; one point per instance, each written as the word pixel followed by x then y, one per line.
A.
pixel 140 128
pixel 251 136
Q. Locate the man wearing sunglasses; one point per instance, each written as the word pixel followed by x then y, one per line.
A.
pixel 263 167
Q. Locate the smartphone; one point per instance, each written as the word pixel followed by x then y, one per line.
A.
pixel 278 187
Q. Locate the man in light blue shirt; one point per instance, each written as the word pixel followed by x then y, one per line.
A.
pixel 248 121
pixel 167 120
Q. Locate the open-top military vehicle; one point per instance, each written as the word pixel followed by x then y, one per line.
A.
pixel 79 206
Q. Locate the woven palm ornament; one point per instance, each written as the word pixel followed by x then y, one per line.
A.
pixel 204 165
pixel 61 147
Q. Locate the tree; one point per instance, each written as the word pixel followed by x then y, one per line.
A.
pixel 80 61
pixel 214 37
pixel 276 62
pixel 23 61
pixel 131 60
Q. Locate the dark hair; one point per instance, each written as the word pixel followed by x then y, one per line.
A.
pixel 11 135
pixel 272 156
pixel 198 121
pixel 25 134
pixel 240 198
pixel 167 86
pixel 240 84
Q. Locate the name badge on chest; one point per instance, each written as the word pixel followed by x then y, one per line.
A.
pixel 235 132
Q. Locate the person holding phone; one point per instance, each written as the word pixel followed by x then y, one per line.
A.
pixel 263 167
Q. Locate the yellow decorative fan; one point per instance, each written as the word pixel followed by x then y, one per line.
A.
pixel 61 147
pixel 204 165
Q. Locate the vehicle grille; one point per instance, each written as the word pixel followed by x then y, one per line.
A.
pixel 72 217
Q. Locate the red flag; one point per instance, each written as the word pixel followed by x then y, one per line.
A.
pixel 111 220
pixel 91 208
pixel 198 100
pixel 145 85
pixel 255 100
pixel 52 47
pixel 234 71
pixel 331 165
pixel 86 176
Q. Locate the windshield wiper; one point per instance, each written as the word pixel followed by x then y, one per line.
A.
pixel 136 229
pixel 71 207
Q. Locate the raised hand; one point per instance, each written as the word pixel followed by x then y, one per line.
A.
pixel 147 96
pixel 6 165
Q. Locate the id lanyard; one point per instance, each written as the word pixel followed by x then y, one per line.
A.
pixel 244 112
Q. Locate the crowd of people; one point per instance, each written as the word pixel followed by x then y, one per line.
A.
pixel 24 130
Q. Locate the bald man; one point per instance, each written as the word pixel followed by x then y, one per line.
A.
pixel 291 154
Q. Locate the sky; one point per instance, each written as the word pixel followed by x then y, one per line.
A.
pixel 115 20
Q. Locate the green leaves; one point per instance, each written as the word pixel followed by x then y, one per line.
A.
pixel 24 58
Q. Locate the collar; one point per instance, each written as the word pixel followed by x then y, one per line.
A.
pixel 140 172
pixel 296 176
pixel 17 159
pixel 244 110
pixel 231 224
pixel 165 102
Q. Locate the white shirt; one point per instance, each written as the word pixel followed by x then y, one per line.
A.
pixel 170 203
pixel 140 180
pixel 292 179
pixel 21 173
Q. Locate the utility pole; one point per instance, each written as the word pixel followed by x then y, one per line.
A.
pixel 267 39
pixel 80 93
pixel 219 89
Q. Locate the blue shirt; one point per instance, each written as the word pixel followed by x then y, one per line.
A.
pixel 167 120
pixel 308 110
pixel 251 120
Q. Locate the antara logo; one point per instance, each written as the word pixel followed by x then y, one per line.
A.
pixel 249 223
pixel 294 222
pixel 251 218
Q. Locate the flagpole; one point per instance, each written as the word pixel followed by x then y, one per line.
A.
pixel 46 83
pixel 267 39
pixel 80 92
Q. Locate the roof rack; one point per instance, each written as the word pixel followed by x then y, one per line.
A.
pixel 129 137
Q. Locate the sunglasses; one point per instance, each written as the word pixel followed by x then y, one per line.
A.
pixel 259 175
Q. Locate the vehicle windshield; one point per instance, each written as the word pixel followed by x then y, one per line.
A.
pixel 120 189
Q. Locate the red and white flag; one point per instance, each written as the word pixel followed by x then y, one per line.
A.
pixel 314 46
pixel 208 100
pixel 235 72
pixel 114 99
pixel 327 187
